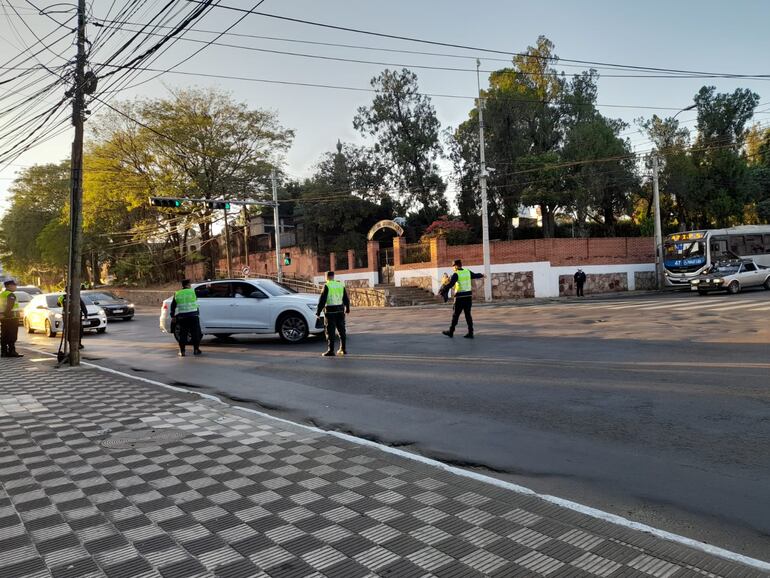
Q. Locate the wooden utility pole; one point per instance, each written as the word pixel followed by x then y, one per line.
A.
pixel 227 248
pixel 72 312
pixel 245 236
pixel 276 226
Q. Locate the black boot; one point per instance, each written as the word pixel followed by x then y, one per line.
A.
pixel 449 333
pixel 328 353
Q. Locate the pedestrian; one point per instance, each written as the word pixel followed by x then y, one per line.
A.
pixel 9 320
pixel 461 280
pixel 334 303
pixel 185 319
pixel 580 280
pixel 444 289
pixel 62 300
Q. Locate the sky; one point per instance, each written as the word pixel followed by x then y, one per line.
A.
pixel 704 35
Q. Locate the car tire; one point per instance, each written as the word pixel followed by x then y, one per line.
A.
pixel 767 284
pixel 733 288
pixel 101 330
pixel 27 326
pixel 49 332
pixel 292 328
pixel 222 335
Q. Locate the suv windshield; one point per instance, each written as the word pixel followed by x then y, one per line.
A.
pixel 274 289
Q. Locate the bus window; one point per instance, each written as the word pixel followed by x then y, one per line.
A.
pixel 737 245
pixel 754 245
pixel 718 247
pixel 767 243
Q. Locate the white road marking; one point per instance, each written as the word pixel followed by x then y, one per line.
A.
pixel 568 504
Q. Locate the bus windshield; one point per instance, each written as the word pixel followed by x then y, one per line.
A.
pixel 684 256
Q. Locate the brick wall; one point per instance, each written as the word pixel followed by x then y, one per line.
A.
pixel 560 252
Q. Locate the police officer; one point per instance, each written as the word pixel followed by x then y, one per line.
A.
pixel 62 300
pixel 461 280
pixel 185 317
pixel 335 304
pixel 580 280
pixel 9 321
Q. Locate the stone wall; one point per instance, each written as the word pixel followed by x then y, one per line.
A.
pixel 362 297
pixel 423 282
pixel 645 280
pixel 595 283
pixel 147 297
pixel 512 285
pixel 356 283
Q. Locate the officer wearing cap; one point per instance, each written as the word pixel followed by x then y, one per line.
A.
pixel 185 317
pixel 461 281
pixel 334 302
pixel 9 320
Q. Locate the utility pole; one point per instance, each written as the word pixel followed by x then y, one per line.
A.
pixel 227 248
pixel 483 184
pixel 72 312
pixel 658 227
pixel 276 226
pixel 245 236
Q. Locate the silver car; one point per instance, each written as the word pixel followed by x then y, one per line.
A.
pixel 732 276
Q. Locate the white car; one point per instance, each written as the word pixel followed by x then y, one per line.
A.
pixel 229 307
pixel 44 314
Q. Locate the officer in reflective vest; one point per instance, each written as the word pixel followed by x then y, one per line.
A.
pixel 335 304
pixel 185 319
pixel 461 281
pixel 9 320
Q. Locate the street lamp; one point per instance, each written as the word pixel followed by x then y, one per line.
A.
pixel 656 204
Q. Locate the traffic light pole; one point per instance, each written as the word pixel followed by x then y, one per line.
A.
pixel 72 311
pixel 227 248
pixel 277 227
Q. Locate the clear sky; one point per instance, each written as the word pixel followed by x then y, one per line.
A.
pixel 707 35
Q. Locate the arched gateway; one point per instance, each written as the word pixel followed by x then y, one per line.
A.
pixel 385 247
pixel 385 224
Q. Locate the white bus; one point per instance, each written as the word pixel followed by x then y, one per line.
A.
pixel 690 253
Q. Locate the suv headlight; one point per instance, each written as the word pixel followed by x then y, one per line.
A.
pixel 719 280
pixel 312 306
pixel 695 281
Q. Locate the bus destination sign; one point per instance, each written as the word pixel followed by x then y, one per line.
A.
pixel 687 236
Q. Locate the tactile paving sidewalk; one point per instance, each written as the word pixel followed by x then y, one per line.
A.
pixel 222 492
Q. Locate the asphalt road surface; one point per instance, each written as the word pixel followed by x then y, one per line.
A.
pixel 656 408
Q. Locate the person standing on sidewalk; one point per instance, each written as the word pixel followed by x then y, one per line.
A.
pixel 185 317
pixel 461 280
pixel 580 280
pixel 9 322
pixel 334 303
pixel 62 301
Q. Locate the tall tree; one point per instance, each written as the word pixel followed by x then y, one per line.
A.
pixel 38 198
pixel 406 130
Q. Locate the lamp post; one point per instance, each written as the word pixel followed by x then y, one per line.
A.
pixel 656 204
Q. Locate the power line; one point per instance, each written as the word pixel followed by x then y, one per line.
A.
pixel 462 46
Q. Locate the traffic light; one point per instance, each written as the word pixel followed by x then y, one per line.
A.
pixel 221 205
pixel 287 258
pixel 165 202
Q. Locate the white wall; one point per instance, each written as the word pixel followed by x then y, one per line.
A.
pixel 544 276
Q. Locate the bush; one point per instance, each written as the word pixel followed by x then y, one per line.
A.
pixel 455 231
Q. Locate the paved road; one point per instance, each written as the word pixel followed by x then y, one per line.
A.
pixel 655 408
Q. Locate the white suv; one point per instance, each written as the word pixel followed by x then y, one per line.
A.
pixel 229 307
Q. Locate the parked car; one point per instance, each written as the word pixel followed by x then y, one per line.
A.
pixel 732 276
pixel 44 314
pixel 31 289
pixel 22 298
pixel 115 307
pixel 240 306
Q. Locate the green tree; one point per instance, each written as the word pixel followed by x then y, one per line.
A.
pixel 405 129
pixel 38 197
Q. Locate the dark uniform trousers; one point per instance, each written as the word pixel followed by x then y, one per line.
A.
pixel 9 329
pixel 462 305
pixel 187 330
pixel 335 322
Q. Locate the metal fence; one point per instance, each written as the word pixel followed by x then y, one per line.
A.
pixel 417 253
pixel 341 260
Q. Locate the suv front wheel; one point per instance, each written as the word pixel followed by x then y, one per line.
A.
pixel 292 327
